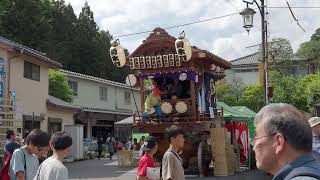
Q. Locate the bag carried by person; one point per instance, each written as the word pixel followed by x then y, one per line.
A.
pixel 4 172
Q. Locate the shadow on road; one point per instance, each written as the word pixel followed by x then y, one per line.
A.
pixel 95 169
pixel 108 169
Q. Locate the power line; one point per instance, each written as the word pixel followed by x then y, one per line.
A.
pixel 219 17
pixel 295 7
pixel 235 7
pixel 180 25
pixel 295 17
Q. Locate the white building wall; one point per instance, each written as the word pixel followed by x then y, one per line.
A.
pixel 246 77
pixel 89 95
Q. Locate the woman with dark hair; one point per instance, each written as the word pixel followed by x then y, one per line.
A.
pixel 146 167
pixel 53 168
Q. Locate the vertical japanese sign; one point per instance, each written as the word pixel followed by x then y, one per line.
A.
pixel 1 81
pixel 210 94
pixel 13 99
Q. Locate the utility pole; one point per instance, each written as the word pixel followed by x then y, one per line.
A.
pixel 264 54
pixel 32 121
pixel 247 15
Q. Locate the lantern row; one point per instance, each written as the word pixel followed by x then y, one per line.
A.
pixel 158 61
pixel 183 49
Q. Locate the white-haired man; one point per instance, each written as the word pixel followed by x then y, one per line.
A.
pixel 283 143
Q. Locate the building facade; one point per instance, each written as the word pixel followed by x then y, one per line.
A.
pixel 102 102
pixel 246 69
pixel 25 103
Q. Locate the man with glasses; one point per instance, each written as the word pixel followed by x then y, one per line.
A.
pixel 24 162
pixel 283 143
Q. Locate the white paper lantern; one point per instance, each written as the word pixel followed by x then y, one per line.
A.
pixel 131 80
pixel 117 54
pixel 183 47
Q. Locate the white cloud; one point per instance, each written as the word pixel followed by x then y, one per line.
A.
pixel 235 46
pixel 225 36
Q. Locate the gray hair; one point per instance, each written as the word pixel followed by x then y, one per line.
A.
pixel 289 121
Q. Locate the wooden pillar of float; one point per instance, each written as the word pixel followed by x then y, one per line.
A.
pixel 193 97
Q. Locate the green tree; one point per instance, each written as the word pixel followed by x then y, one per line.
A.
pixel 51 26
pixel 58 86
pixel 306 92
pixel 225 92
pixel 280 55
pixel 284 88
pixel 25 22
pixel 311 51
pixel 92 47
pixel 252 97
pixel 236 87
pixel 313 94
pixel 60 43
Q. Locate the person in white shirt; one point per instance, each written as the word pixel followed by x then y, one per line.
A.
pixel 53 168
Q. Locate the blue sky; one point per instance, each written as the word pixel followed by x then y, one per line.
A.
pixel 224 37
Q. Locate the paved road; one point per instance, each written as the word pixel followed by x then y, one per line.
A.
pixel 107 170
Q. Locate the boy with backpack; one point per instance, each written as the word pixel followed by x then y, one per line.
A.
pixel 9 148
pixel 24 163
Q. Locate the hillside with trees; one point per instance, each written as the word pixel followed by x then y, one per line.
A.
pixel 51 26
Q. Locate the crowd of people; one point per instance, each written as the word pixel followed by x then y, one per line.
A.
pixel 286 145
pixel 24 161
pixel 113 144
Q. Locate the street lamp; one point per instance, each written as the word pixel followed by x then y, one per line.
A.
pixel 247 15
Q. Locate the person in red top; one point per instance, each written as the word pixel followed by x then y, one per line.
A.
pixel 149 148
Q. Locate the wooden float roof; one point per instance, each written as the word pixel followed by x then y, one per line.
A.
pixel 159 42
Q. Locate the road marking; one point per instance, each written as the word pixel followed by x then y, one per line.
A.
pixel 126 171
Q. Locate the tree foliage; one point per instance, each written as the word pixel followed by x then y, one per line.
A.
pixel 284 87
pixel 311 51
pixel 252 97
pixel 51 26
pixel 280 55
pixel 224 93
pixel 302 92
pixel 58 86
pixel 307 94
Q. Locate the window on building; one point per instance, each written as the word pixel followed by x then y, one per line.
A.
pixel 127 97
pixel 74 87
pixel 103 93
pixel 31 71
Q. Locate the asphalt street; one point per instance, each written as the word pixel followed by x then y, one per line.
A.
pixel 108 169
